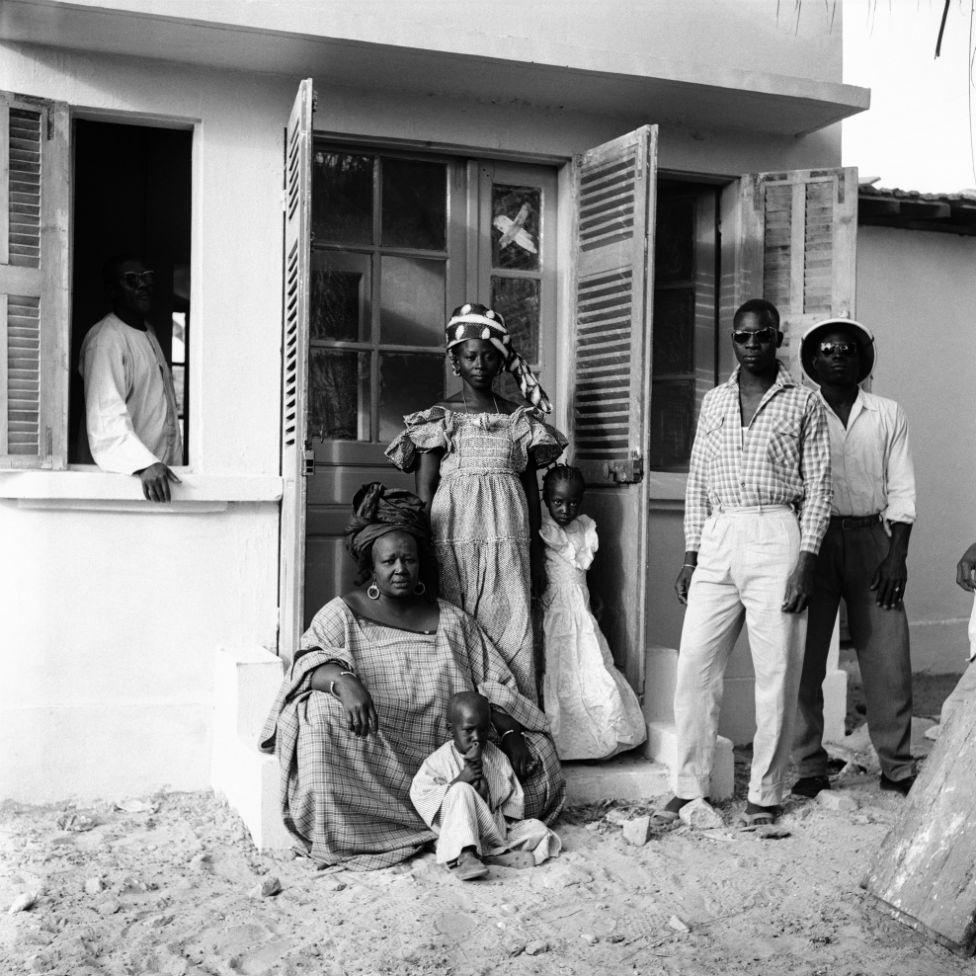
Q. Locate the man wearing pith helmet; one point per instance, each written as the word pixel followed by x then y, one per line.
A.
pixel 862 558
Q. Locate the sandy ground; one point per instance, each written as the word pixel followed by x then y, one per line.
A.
pixel 171 884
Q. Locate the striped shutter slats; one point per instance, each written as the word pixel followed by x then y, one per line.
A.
pixel 33 282
pixel 799 235
pixel 294 364
pixel 615 200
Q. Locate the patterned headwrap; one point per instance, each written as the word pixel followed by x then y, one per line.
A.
pixel 378 510
pixel 473 321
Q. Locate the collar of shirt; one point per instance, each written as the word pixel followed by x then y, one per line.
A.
pixel 863 401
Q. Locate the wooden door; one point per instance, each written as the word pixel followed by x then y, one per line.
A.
pixel 615 201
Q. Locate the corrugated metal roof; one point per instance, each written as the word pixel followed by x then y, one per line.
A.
pixel 947 213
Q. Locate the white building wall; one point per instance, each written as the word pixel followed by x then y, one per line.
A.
pixel 916 291
pixel 110 612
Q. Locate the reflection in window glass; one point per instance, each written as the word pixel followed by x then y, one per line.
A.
pixel 414 204
pixel 517 299
pixel 338 395
pixel 412 303
pixel 515 227
pixel 672 424
pixel 342 198
pixel 339 294
pixel 407 380
pixel 674 331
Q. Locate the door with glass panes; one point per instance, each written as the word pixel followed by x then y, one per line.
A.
pixel 397 241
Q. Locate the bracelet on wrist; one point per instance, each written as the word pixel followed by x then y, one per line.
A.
pixel 511 731
pixel 689 565
pixel 342 674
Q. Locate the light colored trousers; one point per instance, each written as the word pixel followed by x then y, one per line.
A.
pixel 745 558
pixel 465 820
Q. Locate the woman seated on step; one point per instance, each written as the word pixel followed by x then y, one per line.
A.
pixel 362 705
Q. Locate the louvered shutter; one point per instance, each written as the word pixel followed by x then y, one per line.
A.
pixel 615 197
pixel 799 232
pixel 294 373
pixel 33 282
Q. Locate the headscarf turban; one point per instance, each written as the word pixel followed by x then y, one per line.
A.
pixel 473 321
pixel 378 510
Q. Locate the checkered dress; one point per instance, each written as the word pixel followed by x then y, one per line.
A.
pixel 781 458
pixel 347 799
pixel 479 516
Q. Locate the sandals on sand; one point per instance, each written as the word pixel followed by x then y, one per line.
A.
pixel 663 819
pixel 468 867
pixel 757 818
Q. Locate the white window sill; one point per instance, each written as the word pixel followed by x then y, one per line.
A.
pixel 87 488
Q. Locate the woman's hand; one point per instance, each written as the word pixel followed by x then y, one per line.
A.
pixel 515 747
pixel 358 704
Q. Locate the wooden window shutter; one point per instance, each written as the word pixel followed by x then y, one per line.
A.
pixel 33 282
pixel 615 197
pixel 294 369
pixel 798 247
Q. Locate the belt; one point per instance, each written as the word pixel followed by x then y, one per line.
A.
pixel 854 521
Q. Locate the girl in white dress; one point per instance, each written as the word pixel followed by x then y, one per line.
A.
pixel 593 711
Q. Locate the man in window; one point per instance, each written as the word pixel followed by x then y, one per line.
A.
pixel 757 505
pixel 862 559
pixel 130 403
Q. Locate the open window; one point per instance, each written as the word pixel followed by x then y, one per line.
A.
pixel 33 282
pixel 131 190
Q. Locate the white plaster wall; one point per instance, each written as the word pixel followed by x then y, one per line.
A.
pixel 917 292
pixel 769 35
pixel 109 626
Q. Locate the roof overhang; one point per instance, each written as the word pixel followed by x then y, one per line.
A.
pixel 576 79
pixel 946 213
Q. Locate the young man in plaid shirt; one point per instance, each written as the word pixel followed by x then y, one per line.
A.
pixel 757 505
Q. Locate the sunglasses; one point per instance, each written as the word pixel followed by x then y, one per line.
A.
pixel 136 278
pixel 762 336
pixel 838 349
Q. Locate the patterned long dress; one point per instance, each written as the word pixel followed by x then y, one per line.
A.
pixel 346 799
pixel 479 516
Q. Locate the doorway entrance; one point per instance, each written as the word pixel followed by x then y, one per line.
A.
pixel 398 241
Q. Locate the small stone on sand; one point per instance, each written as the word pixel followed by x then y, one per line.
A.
pixel 266 889
pixel 833 800
pixel 108 907
pixel 536 948
pixel 700 815
pixel 677 924
pixel 22 903
pixel 637 831
pixel 589 938
pixel 94 886
pixel 201 862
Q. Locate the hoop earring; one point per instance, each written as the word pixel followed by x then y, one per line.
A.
pixel 420 589
pixel 373 591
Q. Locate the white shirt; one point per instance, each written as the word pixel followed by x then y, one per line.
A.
pixel 870 461
pixel 130 403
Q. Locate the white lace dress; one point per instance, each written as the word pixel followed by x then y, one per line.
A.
pixel 593 711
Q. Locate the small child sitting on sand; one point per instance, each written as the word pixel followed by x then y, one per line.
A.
pixel 468 794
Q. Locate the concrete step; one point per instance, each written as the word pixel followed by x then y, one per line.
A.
pixel 630 776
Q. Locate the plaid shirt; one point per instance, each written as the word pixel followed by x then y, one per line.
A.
pixel 781 458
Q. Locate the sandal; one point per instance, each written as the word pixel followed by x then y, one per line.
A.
pixel 468 867
pixel 663 819
pixel 751 819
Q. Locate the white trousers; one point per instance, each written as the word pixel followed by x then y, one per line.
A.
pixel 465 820
pixel 745 558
